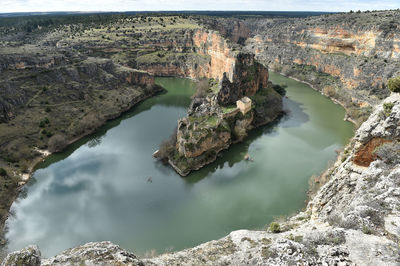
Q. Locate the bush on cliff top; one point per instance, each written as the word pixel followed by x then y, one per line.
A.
pixel 394 84
pixel 387 108
pixel 57 143
pixel 274 227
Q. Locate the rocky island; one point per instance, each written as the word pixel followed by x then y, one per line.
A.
pixel 353 58
pixel 224 115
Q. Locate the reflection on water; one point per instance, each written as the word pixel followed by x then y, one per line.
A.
pixel 98 188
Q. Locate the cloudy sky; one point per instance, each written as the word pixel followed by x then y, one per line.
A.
pixel 133 5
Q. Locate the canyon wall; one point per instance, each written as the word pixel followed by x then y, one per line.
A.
pixel 199 53
pixel 349 57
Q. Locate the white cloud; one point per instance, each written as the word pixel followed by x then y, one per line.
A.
pixel 140 5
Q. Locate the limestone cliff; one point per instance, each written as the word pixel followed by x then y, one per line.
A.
pixel 200 53
pixel 348 57
pixel 353 219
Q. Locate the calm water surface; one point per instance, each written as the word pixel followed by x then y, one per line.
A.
pixel 98 189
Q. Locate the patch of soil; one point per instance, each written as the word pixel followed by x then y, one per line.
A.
pixel 365 154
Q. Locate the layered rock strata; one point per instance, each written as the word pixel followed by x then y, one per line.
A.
pixel 349 57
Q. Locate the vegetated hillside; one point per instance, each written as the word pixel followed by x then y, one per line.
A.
pixel 347 56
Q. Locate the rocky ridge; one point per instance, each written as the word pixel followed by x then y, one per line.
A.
pixel 353 219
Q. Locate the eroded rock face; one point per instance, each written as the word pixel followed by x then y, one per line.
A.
pixel 196 53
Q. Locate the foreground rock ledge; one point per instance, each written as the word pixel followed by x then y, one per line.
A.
pixel 353 220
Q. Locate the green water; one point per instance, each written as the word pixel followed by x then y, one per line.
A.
pixel 98 189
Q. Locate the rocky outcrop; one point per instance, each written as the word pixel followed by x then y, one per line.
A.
pixel 27 256
pixel 214 122
pixel 236 30
pixel 211 127
pixel 207 131
pixel 98 253
pixel 353 219
pixel 248 76
pixel 33 61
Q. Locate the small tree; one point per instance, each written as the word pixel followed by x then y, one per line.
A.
pixel 394 84
pixel 3 172
pixel 57 143
pixel 167 147
pixel 202 87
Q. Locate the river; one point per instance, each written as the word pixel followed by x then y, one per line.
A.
pixel 108 187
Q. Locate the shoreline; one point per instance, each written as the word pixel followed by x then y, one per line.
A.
pixel 319 180
pixel 346 118
pixel 44 154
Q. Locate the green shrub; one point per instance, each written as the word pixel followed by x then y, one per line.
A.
pixel 394 84
pixel 48 109
pixel 366 230
pixel 3 172
pixel 274 227
pixel 279 89
pixel 387 108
